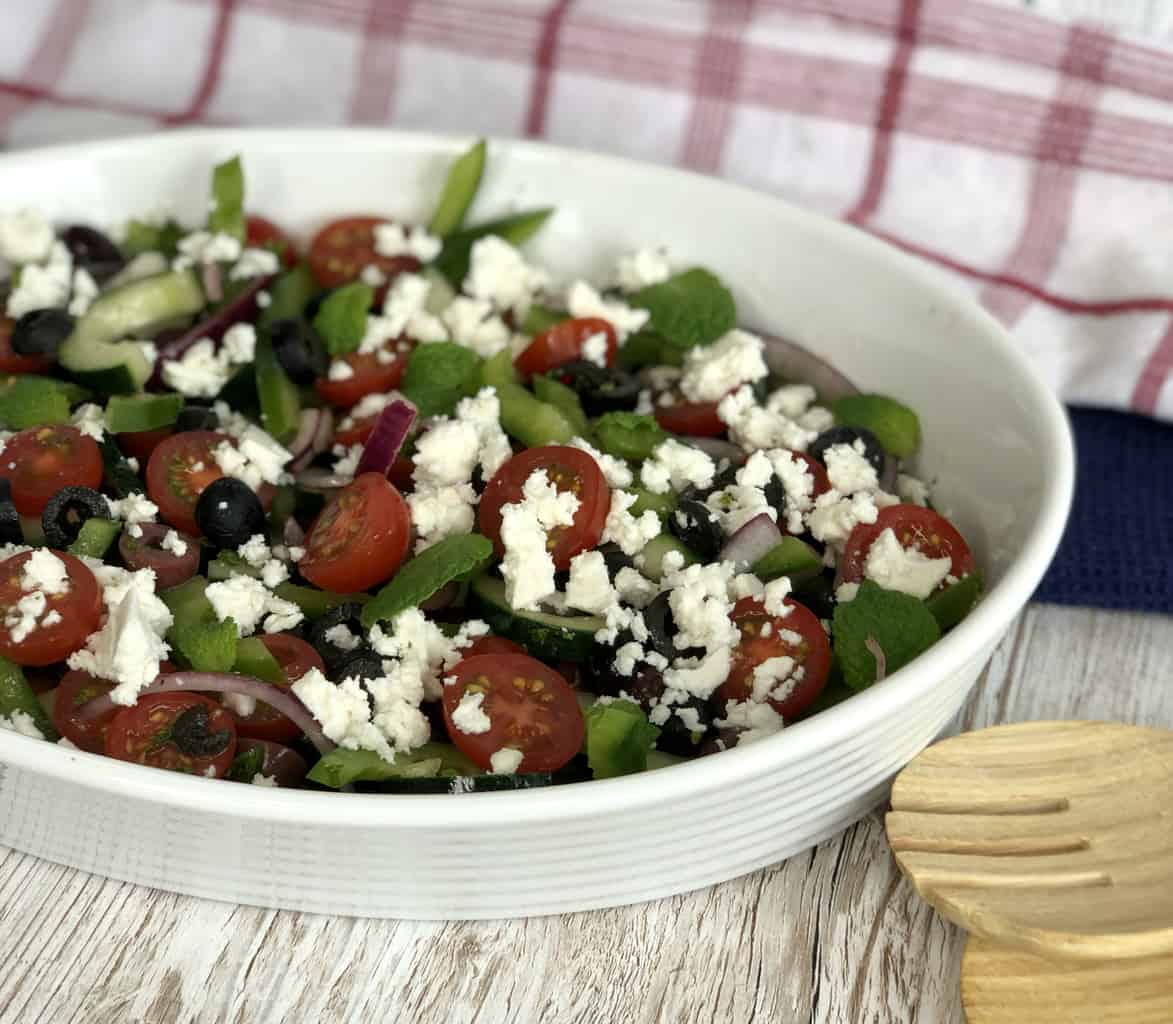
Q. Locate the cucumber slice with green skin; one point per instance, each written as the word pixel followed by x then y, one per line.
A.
pixel 205 646
pixel 128 414
pixel 895 425
pixel 315 603
pixel 94 354
pixel 16 695
pixel 553 637
pixel 651 559
pixel 789 557
pixel 253 659
pixel 188 602
pixel 662 504
pixel 954 603
pixel 95 537
pixel 116 471
pixel 533 422
pixel 227 564
pixel 629 435
pixel 565 400
pixel 278 396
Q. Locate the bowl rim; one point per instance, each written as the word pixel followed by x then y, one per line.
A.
pixel 605 796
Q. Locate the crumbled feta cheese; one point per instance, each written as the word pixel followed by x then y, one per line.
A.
pixel 372 276
pixel 469 717
pixel 758 721
pixel 392 240
pixel 846 592
pixel 774 599
pixel 775 678
pixel 21 723
pixel 174 543
pixel 791 400
pixel 634 589
pixel 343 711
pixel 346 464
pixel 641 268
pixel 848 468
pixel 906 570
pixel 505 761
pixel 240 598
pixel 134 509
pixel 43 286
pixel 737 504
pixel 255 458
pixel 199 372
pixel 630 533
pixel 499 273
pixel 700 677
pixel 85 290
pixel 273 574
pixel 816 419
pixel 254 262
pixel 240 704
pixel 834 516
pixel 594 349
pixel 368 406
pixel 699 598
pixel 589 586
pixel 340 369
pixel 90 419
pixel 342 637
pixel 643 403
pixel 255 550
pixel 239 344
pixel 405 310
pixel 446 453
pixel 25 237
pixel 798 483
pixel 712 371
pixel 753 426
pixel 473 324
pixel 441 511
pixel 616 471
pixel 203 247
pixel 483 411
pixel 264 300
pixel 911 490
pixel 261 779
pixel 677 466
pixel 44 571
pixel 582 300
pixel 527 566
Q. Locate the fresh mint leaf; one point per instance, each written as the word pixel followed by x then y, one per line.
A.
pixel 460 187
pixel 689 309
pixel 31 401
pixel 647 348
pixel 247 765
pixel 618 738
pixel 341 767
pixel 452 558
pixel 288 296
pixel 898 624
pixel 142 236
pixel 342 318
pixel 439 374
pixel 628 435
pixel 227 214
pixel 454 258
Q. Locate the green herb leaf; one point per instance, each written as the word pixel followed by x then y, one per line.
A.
pixel 227 214
pixel 628 435
pixel 247 765
pixel 956 601
pixel 618 738
pixel 539 319
pixel 454 258
pixel 647 348
pixel 895 425
pixel 439 375
pixel 901 625
pixel 464 176
pixel 452 558
pixel 142 236
pixel 134 413
pixel 288 295
pixel 30 401
pixel 341 767
pixel 342 318
pixel 690 308
pixel 277 395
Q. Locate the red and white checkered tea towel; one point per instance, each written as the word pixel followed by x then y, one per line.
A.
pixel 1031 160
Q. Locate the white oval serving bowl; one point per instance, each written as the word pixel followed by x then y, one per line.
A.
pixel 996 442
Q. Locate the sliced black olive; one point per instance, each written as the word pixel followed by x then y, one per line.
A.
pixel 873 451
pixel 196 417
pixel 680 739
pixel 10 532
pixel 818 594
pixel 41 332
pixel 360 664
pixel 601 389
pixel 116 471
pixel 615 559
pixel 761 390
pixel 299 350
pixel 661 626
pixel 229 512
pixel 67 510
pixel 189 733
pixel 348 615
pixel 696 525
pixel 93 251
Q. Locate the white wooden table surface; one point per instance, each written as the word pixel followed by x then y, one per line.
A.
pixel 834 936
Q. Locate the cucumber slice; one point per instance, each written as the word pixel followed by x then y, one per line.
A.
pixel 188 602
pixel 280 401
pixel 205 646
pixel 954 603
pixel 95 537
pixel 895 425
pixel 16 695
pixel 128 414
pixel 789 557
pixel 533 422
pixel 93 353
pixel 662 504
pixel 253 659
pixel 553 637
pixel 629 435
pixel 651 559
pixel 565 400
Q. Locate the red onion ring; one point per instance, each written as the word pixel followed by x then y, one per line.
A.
pixel 213 281
pixel 754 539
pixel 387 437
pixel 799 365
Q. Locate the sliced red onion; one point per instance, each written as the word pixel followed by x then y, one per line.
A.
pixel 281 763
pixel 243 307
pixel 325 435
pixel 888 473
pixel 222 682
pixel 293 535
pixel 212 279
pixel 756 538
pixel 321 480
pixel 717 448
pixel 877 652
pixel 315 428
pixel 387 437
pixel 800 365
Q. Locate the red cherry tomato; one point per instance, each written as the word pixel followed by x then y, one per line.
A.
pixel 296 658
pixel 12 361
pixel 491 645
pixel 179 470
pixel 260 232
pixel 359 538
pixel 182 732
pixel 797 635
pixel 370 377
pixel 569 469
pixel 915 527
pixel 562 343
pixel 342 248
pixel 39 461
pixel 78 611
pixel 696 419
pixel 76 690
pixel 530 708
pixel 141 444
pixel 146 552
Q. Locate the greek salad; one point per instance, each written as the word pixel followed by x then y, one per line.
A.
pixel 401 512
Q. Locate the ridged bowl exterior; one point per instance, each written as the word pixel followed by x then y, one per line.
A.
pixel 996 443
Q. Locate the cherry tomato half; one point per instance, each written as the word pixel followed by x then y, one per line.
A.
pixel 259 232
pixel 142 443
pixel 296 658
pixel 569 469
pixel 530 707
pixel 342 248
pixel 370 377
pixel 78 611
pixel 915 527
pixel 797 635
pixel 12 361
pixel 182 732
pixel 179 470
pixel 562 343
pixel 359 538
pixel 39 461
pixel 76 690
pixel 695 419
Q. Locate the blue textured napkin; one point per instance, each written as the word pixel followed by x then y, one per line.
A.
pixel 1118 548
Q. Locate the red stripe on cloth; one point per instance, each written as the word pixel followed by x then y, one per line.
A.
pixel 378 63
pixel 1154 374
pixel 196 109
pixel 544 60
pixel 890 102
pixel 715 88
pixel 1052 191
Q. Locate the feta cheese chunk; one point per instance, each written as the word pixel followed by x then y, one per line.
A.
pixel 198 373
pixel 21 723
pixel 527 567
pixel 203 247
pixel 43 285
pixel 505 761
pixel 848 468
pixel 711 372
pixel 630 533
pixel 393 240
pixel 499 274
pixel 906 570
pixel 25 237
pixel 582 300
pixel 254 262
pixel 469 717
pixel 589 587
pixel 675 466
pixel 405 311
pixel 641 268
